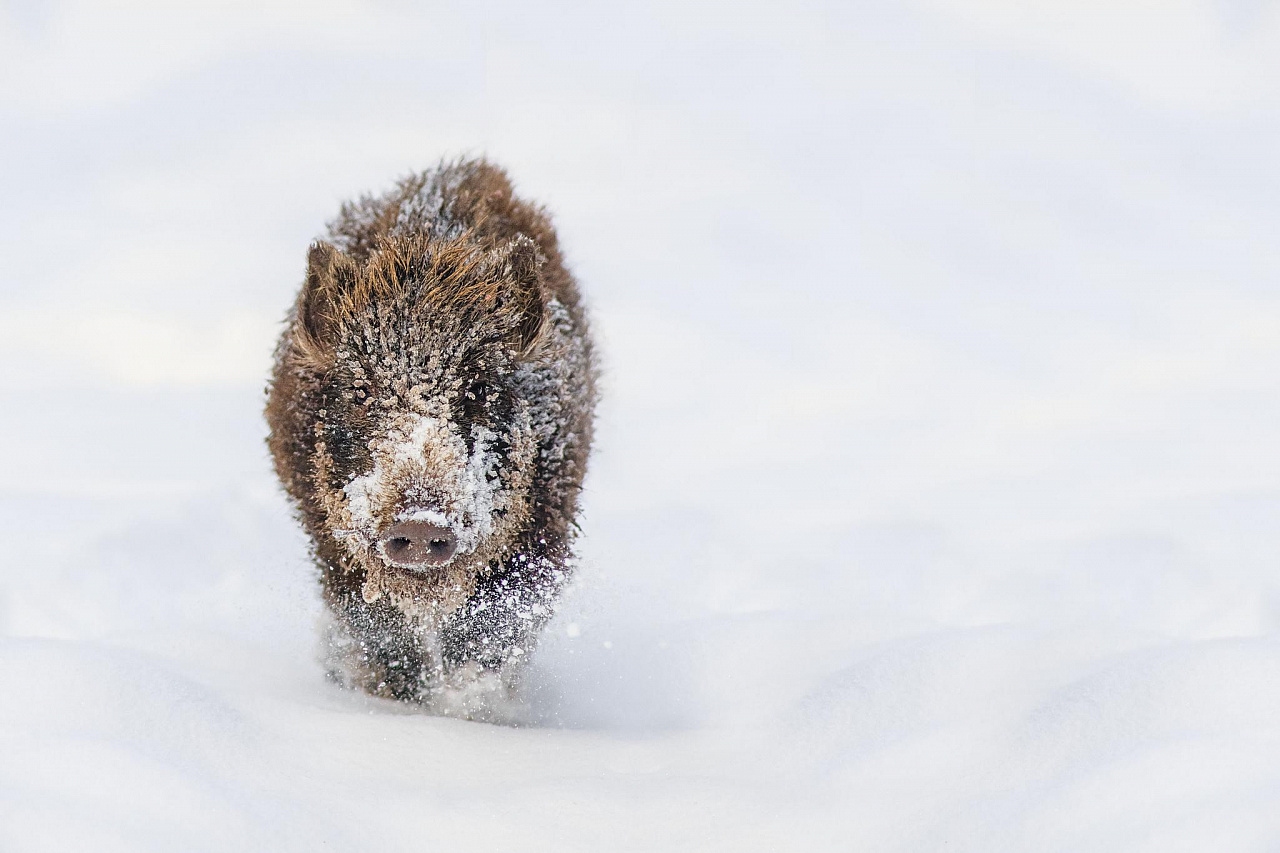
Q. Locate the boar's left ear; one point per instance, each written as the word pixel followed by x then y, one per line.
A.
pixel 331 276
pixel 519 267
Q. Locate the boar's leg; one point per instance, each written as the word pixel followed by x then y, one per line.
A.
pixel 375 648
pixel 499 623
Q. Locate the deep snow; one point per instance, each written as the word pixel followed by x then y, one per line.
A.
pixel 937 495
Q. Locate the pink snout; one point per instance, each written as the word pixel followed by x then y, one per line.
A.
pixel 417 545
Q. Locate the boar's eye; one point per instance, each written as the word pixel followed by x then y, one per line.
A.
pixel 341 442
pixel 473 403
pixel 344 429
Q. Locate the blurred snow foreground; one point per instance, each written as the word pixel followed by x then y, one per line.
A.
pixel 937 497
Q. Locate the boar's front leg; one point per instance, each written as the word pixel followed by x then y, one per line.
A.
pixel 375 648
pixel 497 627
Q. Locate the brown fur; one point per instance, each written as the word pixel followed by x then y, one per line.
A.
pixel 437 359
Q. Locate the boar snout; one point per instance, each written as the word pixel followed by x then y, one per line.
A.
pixel 417 545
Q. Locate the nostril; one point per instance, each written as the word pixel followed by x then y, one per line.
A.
pixel 441 547
pixel 397 545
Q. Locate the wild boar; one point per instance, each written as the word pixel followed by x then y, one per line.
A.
pixel 430 411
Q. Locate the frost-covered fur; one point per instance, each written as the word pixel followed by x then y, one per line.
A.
pixel 436 367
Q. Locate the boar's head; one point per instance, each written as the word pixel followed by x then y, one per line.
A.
pixel 421 409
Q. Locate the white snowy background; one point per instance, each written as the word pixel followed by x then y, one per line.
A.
pixel 936 502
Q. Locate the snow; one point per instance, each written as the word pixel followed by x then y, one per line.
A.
pixel 936 495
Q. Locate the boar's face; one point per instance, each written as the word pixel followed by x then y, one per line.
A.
pixel 424 439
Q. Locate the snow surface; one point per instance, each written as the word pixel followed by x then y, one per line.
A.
pixel 937 495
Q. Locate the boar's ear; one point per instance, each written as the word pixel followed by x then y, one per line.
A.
pixel 331 275
pixel 519 267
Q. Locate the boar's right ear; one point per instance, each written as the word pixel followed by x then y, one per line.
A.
pixel 520 266
pixel 331 275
